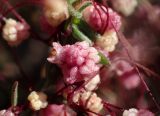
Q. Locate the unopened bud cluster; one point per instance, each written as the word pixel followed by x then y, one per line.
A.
pixel 15 32
pixel 37 100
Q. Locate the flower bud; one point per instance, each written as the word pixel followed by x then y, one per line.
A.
pixel 130 112
pixel 56 11
pixel 108 41
pixel 93 83
pixel 126 7
pixel 89 100
pixel 37 100
pixel 15 32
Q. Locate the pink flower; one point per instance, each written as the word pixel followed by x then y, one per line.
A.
pixel 57 110
pixel 78 61
pixel 93 15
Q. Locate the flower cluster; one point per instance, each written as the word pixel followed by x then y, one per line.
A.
pixel 88 100
pixel 99 16
pixel 78 61
pixel 106 21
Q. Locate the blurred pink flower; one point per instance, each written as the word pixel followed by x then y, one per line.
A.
pixel 131 80
pixel 121 67
pixel 57 110
pixel 6 113
pixel 127 75
pixel 126 7
pixel 143 112
pixel 78 62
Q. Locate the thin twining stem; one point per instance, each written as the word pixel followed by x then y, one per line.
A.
pixel 128 47
pixel 21 4
pixel 125 42
pixel 146 70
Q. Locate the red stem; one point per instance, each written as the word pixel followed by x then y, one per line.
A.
pixel 146 70
pixel 106 24
pixel 95 5
pixel 94 113
pixel 18 5
pixel 13 11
